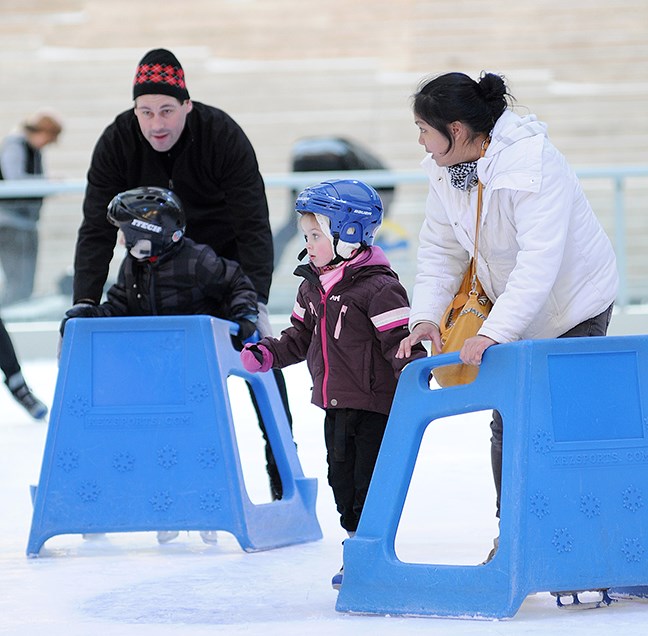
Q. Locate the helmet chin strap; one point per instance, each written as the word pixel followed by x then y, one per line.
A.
pixel 338 258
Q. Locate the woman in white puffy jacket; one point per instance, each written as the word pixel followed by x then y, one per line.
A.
pixel 544 259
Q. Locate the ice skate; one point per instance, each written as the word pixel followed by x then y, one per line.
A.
pixel 583 599
pixel 492 553
pixel 336 581
pixel 209 536
pixel 164 536
pixel 24 396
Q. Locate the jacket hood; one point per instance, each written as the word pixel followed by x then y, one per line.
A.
pixel 514 153
pixel 511 128
pixel 372 256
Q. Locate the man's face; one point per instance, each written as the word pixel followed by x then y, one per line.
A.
pixel 161 119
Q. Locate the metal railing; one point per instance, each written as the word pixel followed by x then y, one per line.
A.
pixel 617 175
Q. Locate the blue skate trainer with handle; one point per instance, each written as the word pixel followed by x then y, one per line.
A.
pixel 574 510
pixel 141 437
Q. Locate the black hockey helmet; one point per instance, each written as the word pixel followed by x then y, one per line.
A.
pixel 151 215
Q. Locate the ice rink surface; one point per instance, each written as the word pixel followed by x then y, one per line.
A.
pixel 125 584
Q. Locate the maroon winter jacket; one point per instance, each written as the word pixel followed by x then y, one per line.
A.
pixel 350 335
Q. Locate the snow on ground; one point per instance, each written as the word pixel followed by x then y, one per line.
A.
pixel 126 584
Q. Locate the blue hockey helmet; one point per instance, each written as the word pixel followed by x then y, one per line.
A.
pixel 151 218
pixel 353 208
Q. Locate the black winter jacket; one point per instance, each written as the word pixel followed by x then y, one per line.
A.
pixel 350 335
pixel 214 171
pixel 189 279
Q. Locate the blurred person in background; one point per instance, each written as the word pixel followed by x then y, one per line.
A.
pixel 21 158
pixel 326 153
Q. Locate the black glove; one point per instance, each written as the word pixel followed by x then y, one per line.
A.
pixel 246 328
pixel 256 352
pixel 80 310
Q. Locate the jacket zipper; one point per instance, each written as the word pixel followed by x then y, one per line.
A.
pixel 152 290
pixel 324 351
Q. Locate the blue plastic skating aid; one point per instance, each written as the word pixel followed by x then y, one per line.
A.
pixel 141 437
pixel 574 512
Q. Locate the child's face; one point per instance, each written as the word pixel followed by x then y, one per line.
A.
pixel 318 246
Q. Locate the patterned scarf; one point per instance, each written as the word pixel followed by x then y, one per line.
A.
pixel 463 176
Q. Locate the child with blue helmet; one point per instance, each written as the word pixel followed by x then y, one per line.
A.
pixel 348 319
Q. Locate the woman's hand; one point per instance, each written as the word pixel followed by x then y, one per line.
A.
pixel 473 349
pixel 422 331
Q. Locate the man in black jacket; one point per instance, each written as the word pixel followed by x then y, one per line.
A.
pixel 197 151
pixel 200 153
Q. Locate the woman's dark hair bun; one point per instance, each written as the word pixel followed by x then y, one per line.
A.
pixel 492 86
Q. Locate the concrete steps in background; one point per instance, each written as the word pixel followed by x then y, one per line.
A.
pixel 285 70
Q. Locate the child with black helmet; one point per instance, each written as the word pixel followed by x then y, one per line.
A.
pixel 349 317
pixel 166 273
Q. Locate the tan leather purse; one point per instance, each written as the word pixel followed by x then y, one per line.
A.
pixel 465 315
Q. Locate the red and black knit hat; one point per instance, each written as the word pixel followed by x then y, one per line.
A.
pixel 160 73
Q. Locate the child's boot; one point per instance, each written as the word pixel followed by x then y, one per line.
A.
pixel 336 581
pixel 24 396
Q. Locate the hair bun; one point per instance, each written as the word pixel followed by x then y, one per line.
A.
pixel 492 86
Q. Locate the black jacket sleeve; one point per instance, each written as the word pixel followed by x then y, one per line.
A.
pixel 96 237
pixel 245 198
pixel 224 282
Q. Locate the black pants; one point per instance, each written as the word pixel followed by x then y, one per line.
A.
pixel 8 360
pixel 596 326
pixel 276 487
pixel 353 439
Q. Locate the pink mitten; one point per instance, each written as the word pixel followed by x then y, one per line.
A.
pixel 256 357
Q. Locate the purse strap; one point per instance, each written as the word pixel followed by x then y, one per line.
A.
pixel 480 188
